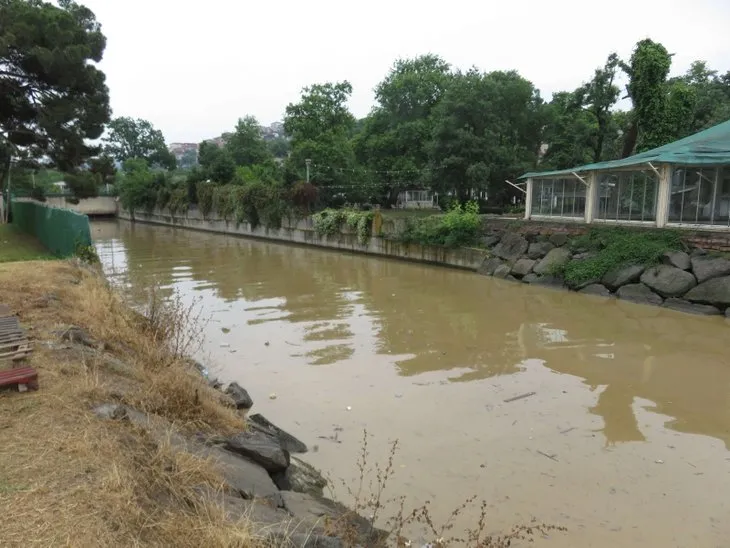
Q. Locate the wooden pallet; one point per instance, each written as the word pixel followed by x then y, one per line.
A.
pixel 14 344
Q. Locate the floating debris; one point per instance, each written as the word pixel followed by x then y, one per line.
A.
pixel 521 396
pixel 225 330
pixel 272 396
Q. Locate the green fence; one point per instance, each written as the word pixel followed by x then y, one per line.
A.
pixel 59 230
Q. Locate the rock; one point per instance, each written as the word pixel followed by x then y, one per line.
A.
pixel 530 278
pixel 668 281
pixel 75 334
pixel 488 266
pixel 698 252
pixel 240 396
pixel 287 441
pixel 511 278
pixel 490 240
pixel 304 540
pixel 596 289
pixel 110 411
pixel 260 448
pixel 523 267
pixel 559 238
pixel 553 260
pixel 539 249
pixel 715 291
pixel 311 513
pixel 502 271
pixel 691 308
pixel 582 256
pixel 677 259
pixel 259 513
pixel 242 476
pixel 705 268
pixel 581 285
pixel 549 281
pixel 511 247
pixel 638 293
pixel 301 477
pixel 622 275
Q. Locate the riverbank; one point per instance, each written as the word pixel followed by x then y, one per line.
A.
pixel 127 443
pixel 684 271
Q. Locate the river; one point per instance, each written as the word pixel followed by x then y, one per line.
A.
pixel 624 441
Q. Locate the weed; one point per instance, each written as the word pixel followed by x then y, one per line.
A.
pixel 87 253
pixel 614 247
pixel 460 226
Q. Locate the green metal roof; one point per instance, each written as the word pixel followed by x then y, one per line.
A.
pixel 708 147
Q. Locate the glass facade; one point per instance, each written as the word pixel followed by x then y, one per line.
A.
pixel 558 197
pixel 700 195
pixel 627 196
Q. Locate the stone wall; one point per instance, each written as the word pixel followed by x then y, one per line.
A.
pixel 302 232
pixel 694 282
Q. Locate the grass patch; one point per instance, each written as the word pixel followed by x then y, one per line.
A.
pixel 615 247
pixel 16 245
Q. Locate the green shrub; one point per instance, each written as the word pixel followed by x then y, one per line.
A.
pixel 330 221
pixel 615 247
pixel 204 193
pixel 179 201
pixel 460 226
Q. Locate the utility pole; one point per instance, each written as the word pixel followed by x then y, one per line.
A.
pixel 308 161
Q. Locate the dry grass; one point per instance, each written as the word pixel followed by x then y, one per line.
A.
pixel 68 478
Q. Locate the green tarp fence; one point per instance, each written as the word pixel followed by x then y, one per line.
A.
pixel 59 230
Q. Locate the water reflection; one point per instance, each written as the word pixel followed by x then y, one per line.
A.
pixel 329 309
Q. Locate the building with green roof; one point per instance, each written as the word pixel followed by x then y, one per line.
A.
pixel 682 184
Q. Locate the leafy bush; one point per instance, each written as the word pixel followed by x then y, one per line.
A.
pixel 615 247
pixel 460 226
pixel 204 193
pixel 304 196
pixel 179 200
pixel 330 221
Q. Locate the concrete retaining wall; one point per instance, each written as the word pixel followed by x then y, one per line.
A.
pixel 101 205
pixel 302 232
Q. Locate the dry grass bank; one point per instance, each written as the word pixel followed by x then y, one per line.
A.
pixel 69 478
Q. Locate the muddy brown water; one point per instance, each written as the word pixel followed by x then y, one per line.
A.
pixel 625 440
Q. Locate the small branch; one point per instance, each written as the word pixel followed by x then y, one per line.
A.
pixel 521 396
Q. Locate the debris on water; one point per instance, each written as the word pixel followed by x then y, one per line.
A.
pixel 521 396
pixel 349 408
pixel 659 461
pixel 225 330
pixel 567 430
pixel 225 345
pixel 233 351
pixel 266 343
pixel 399 395
pixel 272 396
pixel 551 457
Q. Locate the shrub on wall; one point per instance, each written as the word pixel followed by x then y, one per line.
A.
pixel 330 221
pixel 460 226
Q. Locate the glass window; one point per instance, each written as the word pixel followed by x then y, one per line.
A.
pixel 558 198
pixel 627 196
pixel 700 195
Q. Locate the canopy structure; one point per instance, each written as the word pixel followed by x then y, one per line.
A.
pixel 708 147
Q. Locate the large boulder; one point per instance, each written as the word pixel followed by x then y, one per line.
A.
pixel 523 267
pixel 706 267
pixel 691 308
pixel 539 249
pixel 261 449
pixel 547 280
pixel 677 259
pixel 668 281
pixel 490 240
pixel 287 441
pixel 301 477
pixel 622 275
pixel 240 396
pixel 502 271
pixel 511 247
pixel 638 293
pixel 596 289
pixel 241 476
pixel 559 238
pixel 488 266
pixel 553 260
pixel 715 291
pixel 530 278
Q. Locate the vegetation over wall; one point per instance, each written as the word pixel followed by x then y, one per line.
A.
pixel 459 227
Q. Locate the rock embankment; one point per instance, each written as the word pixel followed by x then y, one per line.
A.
pixel 687 281
pixel 279 495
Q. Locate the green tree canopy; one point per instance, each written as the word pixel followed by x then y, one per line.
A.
pixel 52 96
pixel 130 138
pixel 246 144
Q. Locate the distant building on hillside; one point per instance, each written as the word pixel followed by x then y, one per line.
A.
pixel 186 154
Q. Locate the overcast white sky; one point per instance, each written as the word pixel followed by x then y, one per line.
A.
pixel 193 68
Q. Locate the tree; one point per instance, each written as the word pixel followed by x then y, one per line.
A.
pixel 246 144
pixel 598 98
pixel 710 97
pixel 647 72
pixel 569 132
pixel 488 128
pixel 392 140
pixel 320 126
pixel 279 147
pixel 52 96
pixel 222 168
pixel 139 185
pixel 103 168
pixel 129 138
